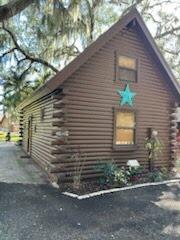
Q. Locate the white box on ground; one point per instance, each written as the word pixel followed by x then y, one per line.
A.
pixel 133 163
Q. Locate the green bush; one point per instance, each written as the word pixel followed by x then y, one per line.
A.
pixel 112 175
pixel 158 175
pixel 121 176
pixel 135 174
pixel 154 147
pixel 118 176
pixel 133 171
pixel 108 169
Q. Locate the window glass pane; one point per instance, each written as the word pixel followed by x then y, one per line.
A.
pixel 124 136
pixel 125 119
pixel 127 74
pixel 127 62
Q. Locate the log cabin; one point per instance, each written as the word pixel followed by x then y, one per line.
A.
pixel 104 103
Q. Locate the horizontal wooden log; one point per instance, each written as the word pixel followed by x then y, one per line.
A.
pixel 60 156
pixel 59 150
pixel 57 97
pixel 59 114
pixel 59 142
pixel 62 129
pixel 60 177
pixel 60 104
pixel 59 123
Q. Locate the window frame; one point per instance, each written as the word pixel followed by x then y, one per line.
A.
pixel 125 146
pixel 117 77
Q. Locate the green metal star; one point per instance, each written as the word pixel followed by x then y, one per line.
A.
pixel 127 96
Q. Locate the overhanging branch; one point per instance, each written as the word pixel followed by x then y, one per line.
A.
pixel 8 52
pixel 28 57
pixel 172 31
pixel 14 7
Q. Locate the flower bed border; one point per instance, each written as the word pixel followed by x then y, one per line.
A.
pixel 102 192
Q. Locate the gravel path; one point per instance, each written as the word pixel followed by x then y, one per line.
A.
pixel 15 169
pixel 38 212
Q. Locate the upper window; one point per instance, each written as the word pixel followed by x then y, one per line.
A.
pixel 124 128
pixel 127 68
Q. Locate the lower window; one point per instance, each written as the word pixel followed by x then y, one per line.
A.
pixel 124 132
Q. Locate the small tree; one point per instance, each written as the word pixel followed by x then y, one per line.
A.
pixel 154 147
pixel 79 159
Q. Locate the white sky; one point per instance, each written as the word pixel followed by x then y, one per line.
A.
pixel 172 8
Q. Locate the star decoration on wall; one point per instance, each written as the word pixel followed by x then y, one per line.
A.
pixel 127 96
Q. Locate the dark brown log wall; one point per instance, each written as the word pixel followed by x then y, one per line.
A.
pixel 92 97
pixel 44 139
pixel 86 112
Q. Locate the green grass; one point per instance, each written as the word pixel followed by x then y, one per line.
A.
pixel 14 137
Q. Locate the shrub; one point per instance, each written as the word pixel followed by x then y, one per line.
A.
pixel 108 169
pixel 158 175
pixel 79 159
pixel 135 170
pixel 121 176
pixel 135 173
pixel 154 147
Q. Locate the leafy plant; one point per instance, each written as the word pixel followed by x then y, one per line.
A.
pixel 154 147
pixel 165 173
pixel 135 170
pixel 108 169
pixel 121 176
pixel 135 173
pixel 78 158
pixel 158 175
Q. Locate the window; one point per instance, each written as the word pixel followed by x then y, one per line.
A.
pixel 127 68
pixel 124 133
pixel 42 114
pixel 35 128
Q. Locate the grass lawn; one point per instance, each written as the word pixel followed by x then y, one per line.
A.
pixel 14 137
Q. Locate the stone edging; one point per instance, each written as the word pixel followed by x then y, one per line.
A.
pixel 94 194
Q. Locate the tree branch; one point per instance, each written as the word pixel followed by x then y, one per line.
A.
pixel 25 71
pixel 28 57
pixel 14 7
pixel 131 6
pixel 8 52
pixel 172 52
pixel 167 32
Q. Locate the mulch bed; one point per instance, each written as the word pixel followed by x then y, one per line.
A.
pixel 94 186
pixel 86 187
